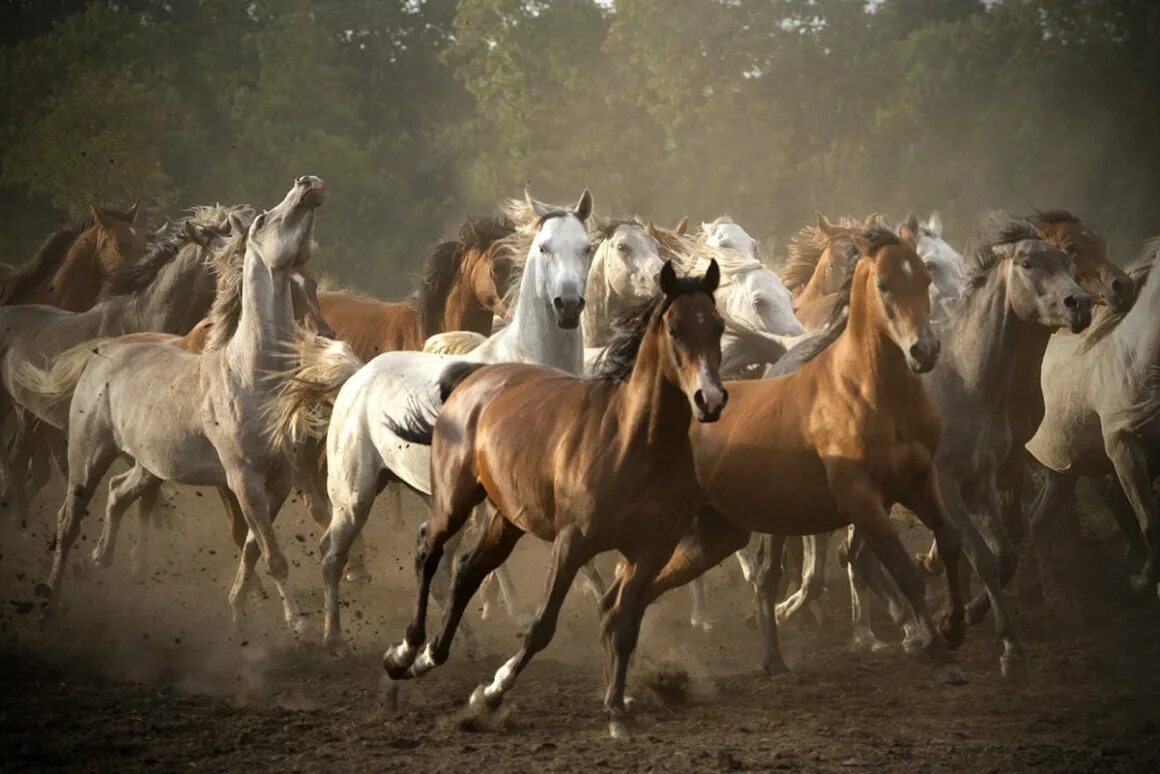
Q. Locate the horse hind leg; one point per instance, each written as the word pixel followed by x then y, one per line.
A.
pixel 492 549
pixel 767 580
pixel 124 490
pixel 148 516
pixel 1130 460
pixel 813 577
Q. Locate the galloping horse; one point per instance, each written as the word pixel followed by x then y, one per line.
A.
pixel 75 262
pixel 819 256
pixel 590 465
pixel 835 443
pixel 198 419
pixel 463 286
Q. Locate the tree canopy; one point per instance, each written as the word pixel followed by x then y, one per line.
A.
pixel 418 112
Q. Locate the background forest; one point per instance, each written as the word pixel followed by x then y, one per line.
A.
pixel 418 113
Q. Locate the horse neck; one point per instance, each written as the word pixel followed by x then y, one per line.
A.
pixel 178 298
pixel 1138 332
pixel 986 339
pixel 77 282
pixel 866 354
pixel 266 327
pixel 594 321
pixel 534 336
pixel 813 289
pixel 656 410
pixel 463 312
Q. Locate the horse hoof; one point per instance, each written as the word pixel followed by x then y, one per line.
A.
pixel 337 648
pixel 423 664
pixel 950 674
pixel 618 729
pixel 357 575
pixel 776 670
pixel 481 702
pixel 976 614
pixel 298 625
pixel 43 590
pixel 872 644
pixel 394 665
pixel 952 631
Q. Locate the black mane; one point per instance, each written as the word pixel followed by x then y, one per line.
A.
pixel 445 261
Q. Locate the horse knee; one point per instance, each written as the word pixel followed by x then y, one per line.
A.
pixel 277 566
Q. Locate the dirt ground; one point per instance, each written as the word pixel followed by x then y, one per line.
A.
pixel 148 672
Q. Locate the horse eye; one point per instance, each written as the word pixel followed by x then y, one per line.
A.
pixel 1025 263
pixel 672 330
pixel 622 247
pixel 261 221
pixel 883 286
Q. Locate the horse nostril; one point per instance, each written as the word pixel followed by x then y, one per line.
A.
pixel 1071 302
pixel 699 399
pixel 580 305
pixel 724 397
pixel 558 303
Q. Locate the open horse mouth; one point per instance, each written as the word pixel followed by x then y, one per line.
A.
pixel 314 191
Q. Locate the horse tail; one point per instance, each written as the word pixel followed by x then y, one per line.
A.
pixel 299 411
pixel 418 426
pixel 54 386
pixel 453 342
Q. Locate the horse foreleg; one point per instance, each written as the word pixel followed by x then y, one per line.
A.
pixel 1055 496
pixel 767 581
pixel 709 541
pixel 925 500
pixel 1130 459
pixel 1112 494
pixel 813 577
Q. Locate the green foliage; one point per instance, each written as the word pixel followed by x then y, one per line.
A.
pixel 418 112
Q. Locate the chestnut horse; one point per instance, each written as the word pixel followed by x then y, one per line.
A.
pixel 848 434
pixel 818 258
pixel 590 465
pixel 75 262
pixel 462 289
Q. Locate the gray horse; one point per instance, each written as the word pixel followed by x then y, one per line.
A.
pixel 1102 394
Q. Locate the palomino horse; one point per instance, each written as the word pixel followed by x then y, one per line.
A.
pixel 836 442
pixel 362 451
pixel 199 419
pixel 1102 394
pixel 75 262
pixel 1019 292
pixel 590 465
pixel 624 274
pixel 464 281
pixel 169 289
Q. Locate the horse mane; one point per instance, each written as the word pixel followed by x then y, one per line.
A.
pixel 162 250
pixel 616 362
pixel 514 246
pixel 1053 217
pixel 1105 320
pixel 226 311
pixel 997 228
pixel 691 254
pixel 835 325
pixel 805 250
pixel 446 261
pixel 45 263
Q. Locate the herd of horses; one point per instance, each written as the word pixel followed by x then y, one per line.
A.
pixel 605 386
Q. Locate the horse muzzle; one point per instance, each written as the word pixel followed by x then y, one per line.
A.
pixel 568 311
pixel 710 402
pixel 1078 312
pixel 922 355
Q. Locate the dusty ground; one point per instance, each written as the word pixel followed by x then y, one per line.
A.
pixel 135 674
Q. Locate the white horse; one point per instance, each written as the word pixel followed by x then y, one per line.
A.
pixel 363 453
pixel 623 276
pixel 944 263
pixel 1102 398
pixel 199 419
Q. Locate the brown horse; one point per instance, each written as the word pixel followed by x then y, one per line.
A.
pixel 834 443
pixel 462 289
pixel 75 262
pixel 819 257
pixel 590 465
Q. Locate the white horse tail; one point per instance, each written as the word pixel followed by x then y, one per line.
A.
pixel 300 408
pixel 453 342
pixel 54 386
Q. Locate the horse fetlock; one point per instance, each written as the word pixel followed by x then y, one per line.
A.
pixel 483 699
pixel 1013 662
pixel 952 629
pixel 397 661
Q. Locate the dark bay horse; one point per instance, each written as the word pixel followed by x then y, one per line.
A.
pixel 590 465
pixel 463 287
pixel 74 263
pixel 836 442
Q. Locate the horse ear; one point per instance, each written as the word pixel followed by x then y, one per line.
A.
pixel 192 235
pixel 908 231
pixel 935 225
pixel 100 217
pixel 825 226
pixel 861 241
pixel 539 208
pixel 583 208
pixel 668 279
pixel 871 221
pixel 1005 250
pixel 237 226
pixel 682 226
pixel 712 277
pixel 132 211
pixel 651 230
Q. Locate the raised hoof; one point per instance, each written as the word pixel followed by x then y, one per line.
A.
pixel 950 674
pixel 357 575
pixel 480 702
pixel 1013 667
pixel 952 631
pixel 929 567
pixel 394 669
